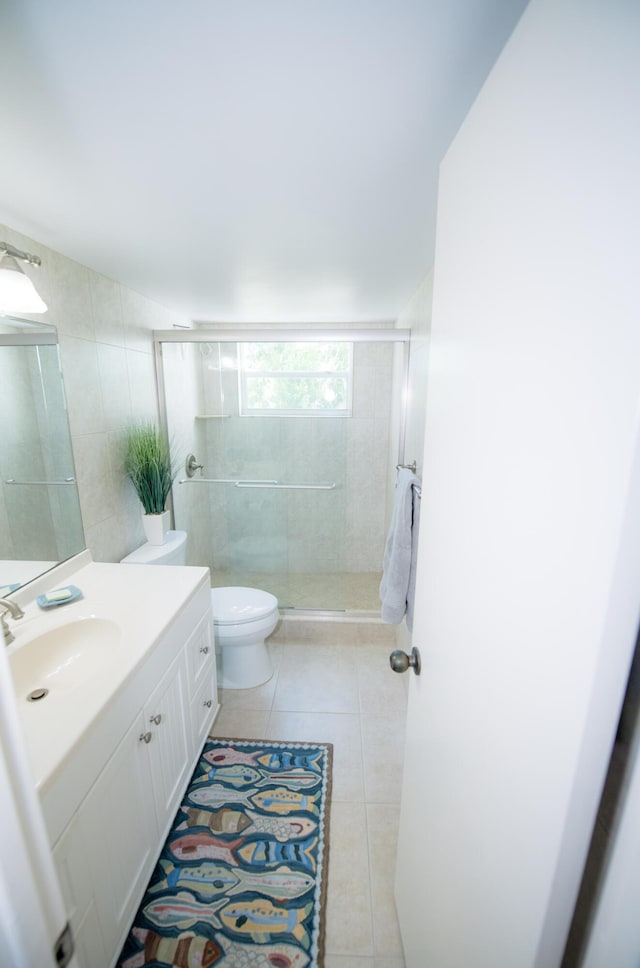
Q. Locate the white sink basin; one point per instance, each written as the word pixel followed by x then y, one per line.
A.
pixel 64 658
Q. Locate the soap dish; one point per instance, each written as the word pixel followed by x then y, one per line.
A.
pixel 75 595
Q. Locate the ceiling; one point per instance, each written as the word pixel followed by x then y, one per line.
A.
pixel 247 160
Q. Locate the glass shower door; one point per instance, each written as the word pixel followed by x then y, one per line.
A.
pixel 293 438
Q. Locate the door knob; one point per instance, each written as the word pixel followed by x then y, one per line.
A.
pixel 400 661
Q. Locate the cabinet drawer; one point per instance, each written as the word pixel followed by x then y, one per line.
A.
pixel 200 652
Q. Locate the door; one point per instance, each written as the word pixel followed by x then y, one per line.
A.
pixel 32 912
pixel 528 573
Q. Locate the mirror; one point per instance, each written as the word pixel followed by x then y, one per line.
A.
pixel 40 519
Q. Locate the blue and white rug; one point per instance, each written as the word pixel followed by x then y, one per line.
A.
pixel 241 880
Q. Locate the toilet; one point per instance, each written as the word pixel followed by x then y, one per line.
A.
pixel 242 618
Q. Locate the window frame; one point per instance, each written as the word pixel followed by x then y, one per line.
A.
pixel 245 374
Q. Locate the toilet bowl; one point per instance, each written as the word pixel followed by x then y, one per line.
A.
pixel 242 618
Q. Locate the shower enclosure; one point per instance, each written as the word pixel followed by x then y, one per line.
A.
pixel 286 445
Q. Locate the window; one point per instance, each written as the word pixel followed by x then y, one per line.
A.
pixel 295 378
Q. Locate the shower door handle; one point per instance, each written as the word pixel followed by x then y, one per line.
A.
pixel 67 480
pixel 224 480
pixel 287 487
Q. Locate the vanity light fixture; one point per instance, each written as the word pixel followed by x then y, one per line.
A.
pixel 17 293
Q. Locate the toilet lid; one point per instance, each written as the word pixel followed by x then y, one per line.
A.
pixel 235 605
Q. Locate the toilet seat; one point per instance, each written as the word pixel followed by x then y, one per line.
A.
pixel 236 605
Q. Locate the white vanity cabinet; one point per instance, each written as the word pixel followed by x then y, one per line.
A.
pixel 112 805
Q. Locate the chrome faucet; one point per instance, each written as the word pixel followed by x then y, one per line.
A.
pixel 16 612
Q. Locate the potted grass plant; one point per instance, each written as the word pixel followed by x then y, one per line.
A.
pixel 148 466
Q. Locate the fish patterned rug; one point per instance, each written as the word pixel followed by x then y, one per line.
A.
pixel 241 880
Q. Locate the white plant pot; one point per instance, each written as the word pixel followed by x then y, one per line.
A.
pixel 156 527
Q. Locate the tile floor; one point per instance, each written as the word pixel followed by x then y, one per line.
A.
pixel 332 683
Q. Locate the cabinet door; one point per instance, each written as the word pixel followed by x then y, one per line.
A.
pixel 203 689
pixel 76 884
pixel 169 749
pixel 200 652
pixel 120 834
pixel 204 707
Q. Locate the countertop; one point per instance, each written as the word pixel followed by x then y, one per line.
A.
pixel 142 600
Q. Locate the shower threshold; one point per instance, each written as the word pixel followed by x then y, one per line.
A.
pixel 338 593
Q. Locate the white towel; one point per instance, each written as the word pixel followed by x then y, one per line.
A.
pixel 397 588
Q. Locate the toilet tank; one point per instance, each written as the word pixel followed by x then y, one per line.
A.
pixel 172 552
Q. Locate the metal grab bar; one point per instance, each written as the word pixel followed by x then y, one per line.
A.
pixel 67 480
pixel 287 487
pixel 266 484
pixel 224 480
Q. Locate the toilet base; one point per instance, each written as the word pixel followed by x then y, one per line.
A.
pixel 244 666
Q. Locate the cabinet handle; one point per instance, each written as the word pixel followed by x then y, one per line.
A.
pixel 207 702
pixel 156 719
pixel 145 737
pixel 204 649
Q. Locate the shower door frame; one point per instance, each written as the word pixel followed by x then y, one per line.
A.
pixel 251 334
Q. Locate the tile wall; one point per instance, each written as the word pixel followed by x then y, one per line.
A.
pixel 192 502
pixel 107 363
